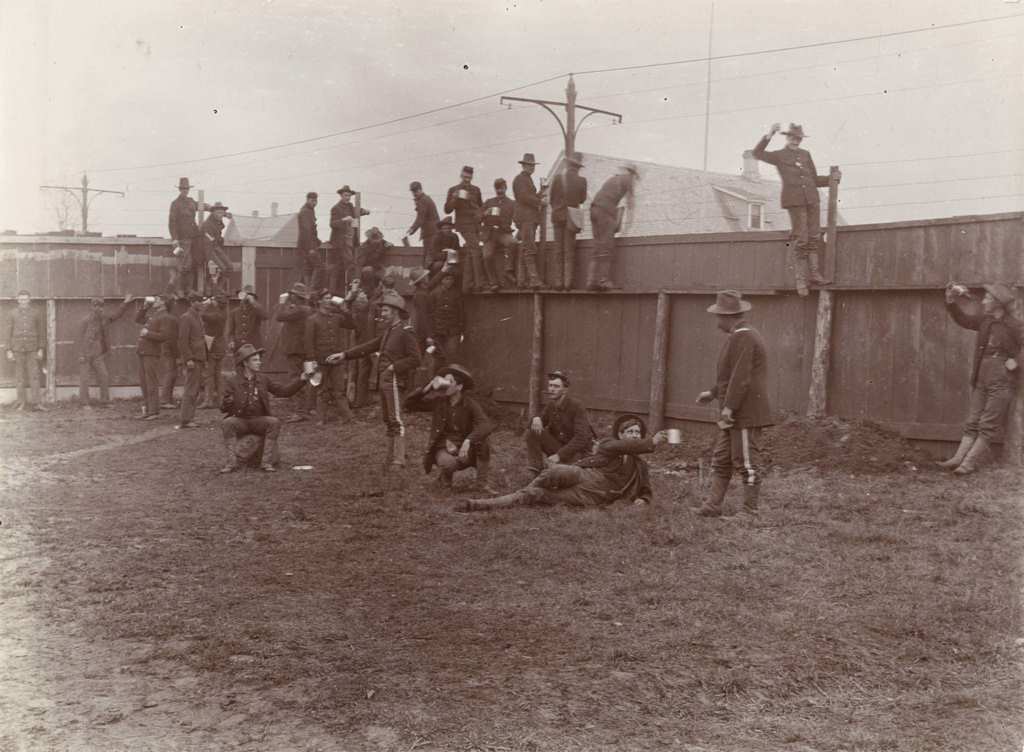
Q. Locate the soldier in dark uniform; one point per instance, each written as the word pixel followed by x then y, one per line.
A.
pixel 527 217
pixel 93 346
pixel 426 218
pixel 800 183
pixel 293 313
pixel 994 372
pixel 604 223
pixel 214 318
pixel 499 242
pixel 742 393
pixel 373 252
pixel 155 326
pixel 568 192
pixel 192 350
pixel 398 359
pixel 325 335
pixel 26 345
pixel 447 317
pixel 245 323
pixel 365 309
pixel 459 428
pixel 444 240
pixel 421 307
pixel 211 241
pixel 183 229
pixel 169 356
pixel 562 433
pixel 307 248
pixel 344 232
pixel 466 201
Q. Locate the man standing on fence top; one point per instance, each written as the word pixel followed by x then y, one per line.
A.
pixel 993 372
pixel 568 192
pixel 307 247
pixel 426 218
pixel 183 228
pixel 26 343
pixel 605 221
pixel 528 208
pixel 466 201
pixel 800 183
pixel 742 394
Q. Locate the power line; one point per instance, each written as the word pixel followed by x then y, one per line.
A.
pixel 929 159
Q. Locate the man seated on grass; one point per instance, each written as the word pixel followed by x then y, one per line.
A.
pixel 561 434
pixel 615 471
pixel 459 429
pixel 246 406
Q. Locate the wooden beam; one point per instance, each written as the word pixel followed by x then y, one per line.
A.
pixel 1013 452
pixel 51 350
pixel 248 266
pixel 817 396
pixel 536 356
pixel 659 367
pixel 832 217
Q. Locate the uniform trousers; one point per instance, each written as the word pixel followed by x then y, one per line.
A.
pixel 26 371
pixel 805 222
pixel 168 378
pixel 214 380
pixel 499 257
pixel 149 380
pixel 991 398
pixel 190 394
pixel 87 367
pixel 738 450
pixel 391 404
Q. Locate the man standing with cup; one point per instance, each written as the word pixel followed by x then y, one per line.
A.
pixel 466 201
pixel 181 223
pixel 499 244
pixel 742 393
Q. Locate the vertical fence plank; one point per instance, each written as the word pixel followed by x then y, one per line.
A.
pixel 1013 453
pixel 537 354
pixel 51 350
pixel 659 370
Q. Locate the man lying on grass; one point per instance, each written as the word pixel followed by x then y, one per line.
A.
pixel 614 471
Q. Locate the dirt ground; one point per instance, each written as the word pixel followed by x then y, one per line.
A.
pixel 150 603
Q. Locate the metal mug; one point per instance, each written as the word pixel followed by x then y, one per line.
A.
pixel 463 194
pixel 675 436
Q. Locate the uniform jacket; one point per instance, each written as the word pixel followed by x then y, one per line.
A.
pixel 157 327
pixel 742 378
pixel 325 334
pixel 170 348
pixel 426 217
pixel 364 313
pixel 213 320
pixel 373 253
pixel 212 235
pixel 568 189
pixel 800 179
pixel 612 192
pixel 307 229
pixel 192 337
pixel 446 311
pixel 421 314
pixel 25 331
pixel 293 318
pixel 246 324
pixel 93 339
pixel 235 394
pixel 397 347
pixel 567 421
pixel 435 255
pixel 182 220
pixel 343 233
pixel 626 474
pixel 507 212
pixel 527 199
pixel 1002 336
pixel 467 212
pixel 464 420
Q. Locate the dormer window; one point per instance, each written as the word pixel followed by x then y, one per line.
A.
pixel 755 216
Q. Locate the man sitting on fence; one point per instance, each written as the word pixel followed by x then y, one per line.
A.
pixel 615 471
pixel 459 429
pixel 562 433
pixel 246 407
pixel 993 373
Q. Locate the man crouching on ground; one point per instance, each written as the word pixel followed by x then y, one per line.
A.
pixel 459 429
pixel 561 434
pixel 615 471
pixel 246 406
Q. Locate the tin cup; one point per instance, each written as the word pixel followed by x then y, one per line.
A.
pixel 463 194
pixel 431 349
pixel 283 297
pixel 150 300
pixel 336 300
pixel 452 256
pixel 675 436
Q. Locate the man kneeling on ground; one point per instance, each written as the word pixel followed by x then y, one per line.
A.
pixel 246 406
pixel 459 429
pixel 561 434
pixel 615 471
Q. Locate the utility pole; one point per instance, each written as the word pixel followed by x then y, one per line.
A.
pixel 707 92
pixel 570 127
pixel 83 200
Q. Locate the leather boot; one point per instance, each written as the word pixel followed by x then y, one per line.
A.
pixel 712 507
pixel 801 277
pixel 815 274
pixel 961 451
pixel 230 459
pixel 603 283
pixel 750 494
pixel 976 457
pixel 592 272
pixel 516 498
pixel 532 280
pixel 398 454
pixel 269 455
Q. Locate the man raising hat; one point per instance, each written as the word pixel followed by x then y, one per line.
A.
pixel 527 217
pixel 993 372
pixel 459 428
pixel 246 407
pixel 183 229
pixel 466 201
pixel 398 359
pixel 245 324
pixel 742 393
pixel 562 433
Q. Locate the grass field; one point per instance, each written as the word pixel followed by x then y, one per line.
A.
pixel 152 604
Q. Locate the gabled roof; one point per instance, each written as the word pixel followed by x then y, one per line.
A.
pixel 674 200
pixel 280 231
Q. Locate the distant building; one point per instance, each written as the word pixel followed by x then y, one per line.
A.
pixel 674 200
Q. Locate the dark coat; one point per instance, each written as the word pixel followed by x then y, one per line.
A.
pixel 182 220
pixel 1003 336
pixel 210 238
pixel 170 347
pixel 397 347
pixel 467 211
pixel 245 324
pixel 742 378
pixel 426 217
pixel 93 338
pixel 568 189
pixel 26 331
pixel 293 317
pixel 506 213
pixel 567 421
pixel 626 475
pixel 447 315
pixel 527 199
pixel 465 420
pixel 612 192
pixel 192 337
pixel 373 253
pixel 325 334
pixel 213 319
pixel 157 328
pixel 800 179
pixel 235 388
pixel 343 234
pixel 308 239
pixel 421 322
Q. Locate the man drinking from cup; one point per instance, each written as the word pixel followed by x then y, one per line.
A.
pixel 466 201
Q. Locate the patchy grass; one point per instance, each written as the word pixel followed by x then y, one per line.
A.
pixel 160 605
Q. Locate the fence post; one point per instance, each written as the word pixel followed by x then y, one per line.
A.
pixel 1013 450
pixel 536 356
pixel 817 397
pixel 656 411
pixel 51 350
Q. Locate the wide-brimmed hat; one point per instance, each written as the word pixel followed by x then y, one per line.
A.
pixel 246 351
pixel 622 420
pixel 528 158
pixel 299 290
pixel 393 299
pixel 345 189
pixel 216 205
pixel 576 159
pixel 445 222
pixel 418 276
pixel 460 372
pixel 183 183
pixel 559 375
pixel 795 130
pixel 374 232
pixel 729 303
pixel 1002 293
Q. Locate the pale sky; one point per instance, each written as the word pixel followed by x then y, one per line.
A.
pixel 112 85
